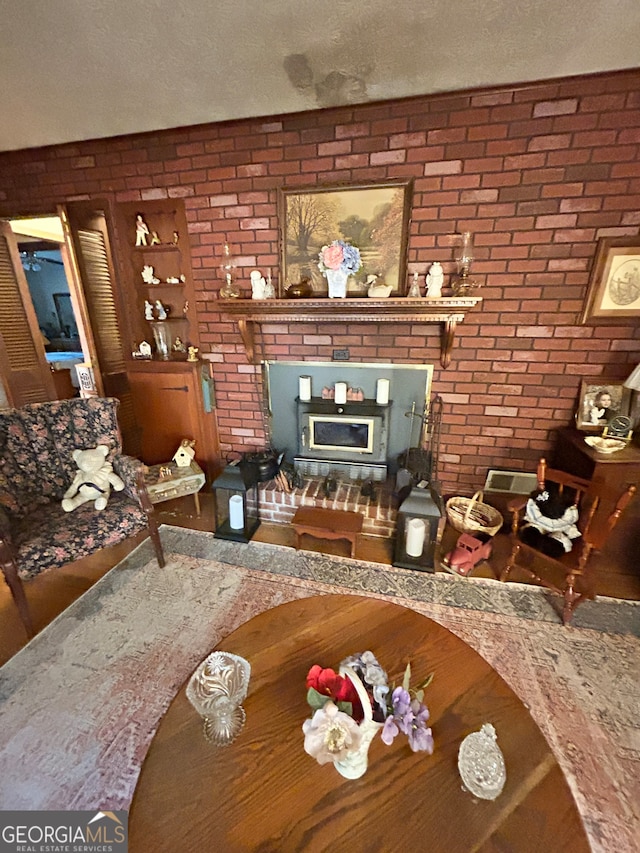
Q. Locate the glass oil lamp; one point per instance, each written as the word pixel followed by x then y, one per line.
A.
pixel 229 289
pixel 464 284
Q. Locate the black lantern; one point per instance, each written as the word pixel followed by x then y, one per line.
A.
pixel 235 494
pixel 419 529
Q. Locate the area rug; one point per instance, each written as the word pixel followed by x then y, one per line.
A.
pixel 79 704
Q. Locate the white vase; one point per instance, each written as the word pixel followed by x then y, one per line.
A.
pixel 337 281
pixel 355 763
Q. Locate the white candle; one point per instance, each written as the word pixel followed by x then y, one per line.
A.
pixel 416 530
pixel 236 516
pixel 382 392
pixel 304 388
pixel 340 393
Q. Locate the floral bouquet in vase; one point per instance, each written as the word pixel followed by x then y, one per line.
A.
pixel 337 262
pixel 352 706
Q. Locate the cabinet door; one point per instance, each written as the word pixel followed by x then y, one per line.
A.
pixel 169 406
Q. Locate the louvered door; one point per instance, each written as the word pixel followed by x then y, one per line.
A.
pixel 102 304
pixel 23 363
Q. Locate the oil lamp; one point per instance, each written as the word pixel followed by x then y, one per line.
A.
pixel 229 289
pixel 464 284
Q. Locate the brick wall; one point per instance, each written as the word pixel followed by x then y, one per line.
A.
pixel 538 173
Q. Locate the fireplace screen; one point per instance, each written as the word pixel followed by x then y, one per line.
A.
pixel 335 433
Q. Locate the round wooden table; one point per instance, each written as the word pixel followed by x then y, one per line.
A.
pixel 264 793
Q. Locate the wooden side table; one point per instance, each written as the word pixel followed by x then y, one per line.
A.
pixel 181 481
pixel 615 471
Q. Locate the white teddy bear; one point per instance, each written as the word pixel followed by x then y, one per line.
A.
pixel 93 481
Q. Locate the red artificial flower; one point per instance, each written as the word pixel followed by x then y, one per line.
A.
pixel 329 683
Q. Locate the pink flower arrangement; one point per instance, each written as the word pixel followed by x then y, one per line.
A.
pixel 339 255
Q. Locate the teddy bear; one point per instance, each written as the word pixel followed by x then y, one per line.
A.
pixel 93 481
pixel 550 522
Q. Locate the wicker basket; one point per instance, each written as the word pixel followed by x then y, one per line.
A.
pixel 470 515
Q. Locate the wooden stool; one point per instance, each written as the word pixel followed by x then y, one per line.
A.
pixel 327 524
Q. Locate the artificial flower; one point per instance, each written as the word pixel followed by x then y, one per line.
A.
pixel 330 734
pixel 401 710
pixel 339 255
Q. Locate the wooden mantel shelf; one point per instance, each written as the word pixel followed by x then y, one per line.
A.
pixel 447 310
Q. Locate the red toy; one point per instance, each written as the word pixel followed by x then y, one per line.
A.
pixel 469 551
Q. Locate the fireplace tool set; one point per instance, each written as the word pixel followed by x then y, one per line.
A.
pixel 420 463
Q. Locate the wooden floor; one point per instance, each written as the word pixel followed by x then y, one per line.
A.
pixel 50 593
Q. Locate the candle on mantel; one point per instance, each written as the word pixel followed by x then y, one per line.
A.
pixel 236 516
pixel 382 392
pixel 304 388
pixel 340 393
pixel 416 531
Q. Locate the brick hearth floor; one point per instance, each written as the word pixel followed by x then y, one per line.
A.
pixel 379 514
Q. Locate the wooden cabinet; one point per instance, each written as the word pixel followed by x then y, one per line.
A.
pixel 159 272
pixel 172 401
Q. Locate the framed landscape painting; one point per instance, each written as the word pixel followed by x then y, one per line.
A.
pixel 372 217
pixel 614 286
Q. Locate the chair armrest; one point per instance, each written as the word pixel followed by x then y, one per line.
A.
pixel 128 468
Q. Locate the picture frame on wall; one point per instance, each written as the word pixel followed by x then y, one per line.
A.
pixel 614 285
pixel 601 401
pixel 372 217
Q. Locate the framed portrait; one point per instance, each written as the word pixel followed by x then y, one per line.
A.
pixel 599 402
pixel 614 286
pixel 372 217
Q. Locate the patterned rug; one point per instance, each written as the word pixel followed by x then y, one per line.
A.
pixel 80 703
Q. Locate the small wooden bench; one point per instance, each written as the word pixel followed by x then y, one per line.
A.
pixel 327 524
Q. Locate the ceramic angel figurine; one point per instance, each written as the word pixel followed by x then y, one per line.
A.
pixel 148 310
pixel 162 311
pixel 435 280
pixel 258 285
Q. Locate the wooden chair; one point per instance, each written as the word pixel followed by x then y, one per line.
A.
pixel 569 575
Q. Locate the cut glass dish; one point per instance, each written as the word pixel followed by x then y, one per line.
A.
pixel 216 690
pixel 481 764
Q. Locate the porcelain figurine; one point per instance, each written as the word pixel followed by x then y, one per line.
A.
pixel 162 311
pixel 435 280
pixel 377 291
pixel 142 231
pixel 148 310
pixel 149 276
pixel 258 285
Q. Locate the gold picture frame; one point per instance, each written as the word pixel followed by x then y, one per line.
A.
pixel 614 285
pixel 373 217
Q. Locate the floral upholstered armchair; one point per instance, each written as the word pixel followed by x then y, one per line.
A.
pixel 37 467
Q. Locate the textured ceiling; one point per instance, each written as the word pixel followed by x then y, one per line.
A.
pixel 81 69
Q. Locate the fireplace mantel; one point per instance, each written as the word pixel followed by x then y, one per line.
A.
pixel 449 311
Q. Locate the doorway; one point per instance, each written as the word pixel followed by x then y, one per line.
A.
pixel 50 293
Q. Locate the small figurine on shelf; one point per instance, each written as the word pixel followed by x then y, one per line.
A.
pixel 149 276
pixel 435 280
pixel 142 231
pixel 269 289
pixel 148 310
pixel 178 346
pixel 414 290
pixel 162 311
pixel 193 354
pixel 176 237
pixel 173 280
pixel 258 285
pixel 155 240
